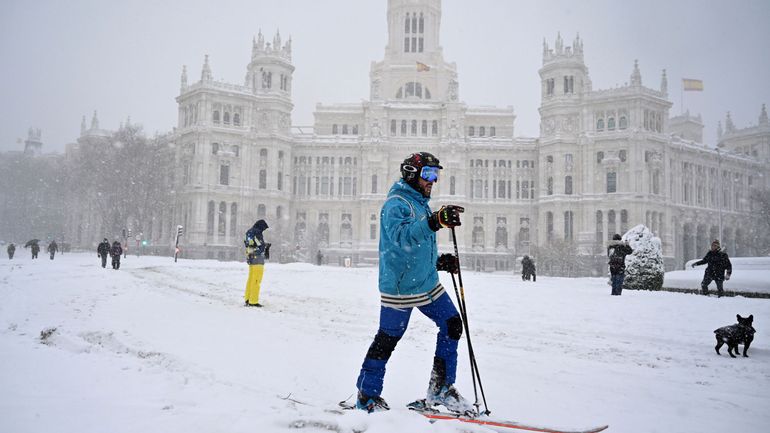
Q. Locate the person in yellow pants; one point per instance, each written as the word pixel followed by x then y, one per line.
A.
pixel 257 250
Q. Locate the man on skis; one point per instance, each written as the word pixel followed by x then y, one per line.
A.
pixel 408 278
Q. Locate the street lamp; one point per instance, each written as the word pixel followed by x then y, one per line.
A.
pixel 721 193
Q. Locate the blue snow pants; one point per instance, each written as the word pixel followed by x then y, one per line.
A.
pixel 393 324
pixel 617 283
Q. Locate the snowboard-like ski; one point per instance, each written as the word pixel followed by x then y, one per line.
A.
pixel 500 425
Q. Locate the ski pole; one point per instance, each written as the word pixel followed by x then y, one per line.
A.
pixel 464 314
pixel 470 350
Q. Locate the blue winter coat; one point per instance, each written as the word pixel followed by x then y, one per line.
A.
pixel 408 251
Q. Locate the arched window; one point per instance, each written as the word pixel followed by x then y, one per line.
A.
pixel 622 155
pixel 568 225
pixel 279 180
pixel 214 148
pixel 355 129
pixel 549 226
pixel 549 186
pixel 612 182
pixel 393 127
pixel 434 128
pixel 210 218
pixel 492 131
pixel 568 185
pixel 414 127
pixel 226 118
pixel 624 220
pixel 471 131
pixel 334 129
pixel 451 185
pixel 611 123
pixel 599 156
pixel 403 127
pixel 600 124
pixel 406 23
pixel 237 119
pixel 374 184
pixel 482 131
pixel 611 226
pixel 599 229
pixel 345 129
pixel 262 179
pixel 222 229
pixel 623 124
pixel 233 219
pixel 215 116
pixel 424 129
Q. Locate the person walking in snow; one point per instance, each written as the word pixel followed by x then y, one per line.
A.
pixel 408 279
pixel 35 249
pixel 617 251
pixel 52 249
pixel 719 268
pixel 116 251
pixel 103 250
pixel 528 269
pixel 11 250
pixel 257 250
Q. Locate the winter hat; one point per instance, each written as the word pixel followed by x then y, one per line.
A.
pixel 716 242
pixel 616 237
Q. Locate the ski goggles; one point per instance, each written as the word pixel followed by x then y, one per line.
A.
pixel 430 173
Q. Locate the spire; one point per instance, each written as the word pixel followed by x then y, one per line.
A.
pixel 277 40
pixel 206 71
pixel 184 77
pixel 763 116
pixel 260 41
pixel 95 121
pixel 729 126
pixel 577 45
pixel 719 129
pixel 559 43
pixel 83 126
pixel 636 76
pixel 664 83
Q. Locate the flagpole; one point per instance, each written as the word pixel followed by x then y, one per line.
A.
pixel 681 97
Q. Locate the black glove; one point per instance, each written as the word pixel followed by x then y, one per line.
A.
pixel 267 251
pixel 448 262
pixel 447 216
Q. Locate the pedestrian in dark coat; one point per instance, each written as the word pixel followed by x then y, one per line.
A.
pixel 35 249
pixel 11 250
pixel 116 251
pixel 52 249
pixel 718 270
pixel 102 251
pixel 617 251
pixel 528 269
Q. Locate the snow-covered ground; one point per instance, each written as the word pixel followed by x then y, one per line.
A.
pixel 168 347
pixel 750 274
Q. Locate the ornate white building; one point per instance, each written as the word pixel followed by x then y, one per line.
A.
pixel 605 160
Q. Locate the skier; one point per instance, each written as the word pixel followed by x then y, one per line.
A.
pixel 408 278
pixel 257 250
pixel 719 268
pixel 528 269
pixel 11 250
pixel 617 251
pixel 35 249
pixel 102 250
pixel 116 251
pixel 52 249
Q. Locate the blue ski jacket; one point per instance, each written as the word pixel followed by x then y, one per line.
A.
pixel 408 251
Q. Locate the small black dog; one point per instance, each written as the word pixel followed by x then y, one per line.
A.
pixel 740 333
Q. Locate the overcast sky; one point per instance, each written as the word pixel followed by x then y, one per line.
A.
pixel 62 60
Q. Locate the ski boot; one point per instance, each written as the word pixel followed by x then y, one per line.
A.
pixel 371 404
pixel 441 393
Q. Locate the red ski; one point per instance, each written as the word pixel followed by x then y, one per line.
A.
pixel 495 424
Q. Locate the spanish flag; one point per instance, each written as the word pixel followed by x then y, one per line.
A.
pixel 691 84
pixel 422 67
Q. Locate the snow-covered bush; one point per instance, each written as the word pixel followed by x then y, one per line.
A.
pixel 644 268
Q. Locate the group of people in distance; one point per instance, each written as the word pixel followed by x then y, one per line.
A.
pixel 34 247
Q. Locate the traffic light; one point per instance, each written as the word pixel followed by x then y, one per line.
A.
pixel 179 230
pixel 129 232
pixel 144 243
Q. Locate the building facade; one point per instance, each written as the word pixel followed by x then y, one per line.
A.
pixel 605 160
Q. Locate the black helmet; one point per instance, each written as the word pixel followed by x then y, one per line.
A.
pixel 411 167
